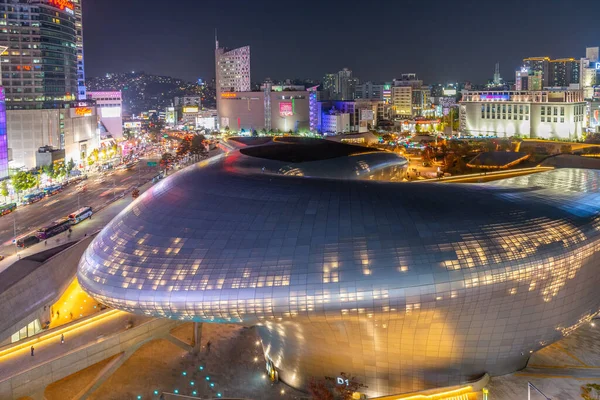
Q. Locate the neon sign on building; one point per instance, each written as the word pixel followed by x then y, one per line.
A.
pixel 62 4
pixel 83 111
pixel 286 109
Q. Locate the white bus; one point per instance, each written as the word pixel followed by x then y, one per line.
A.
pixel 80 215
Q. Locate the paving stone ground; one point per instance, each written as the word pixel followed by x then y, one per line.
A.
pixel 558 370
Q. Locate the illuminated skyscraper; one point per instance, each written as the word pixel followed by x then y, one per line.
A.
pixel 232 71
pixel 81 95
pixel 3 137
pixel 538 70
pixel 40 67
pixel 564 71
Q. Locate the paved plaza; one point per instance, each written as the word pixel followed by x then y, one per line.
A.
pixel 234 365
pixel 558 370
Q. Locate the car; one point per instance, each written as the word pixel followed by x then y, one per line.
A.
pixel 27 241
pixel 427 164
pixel 1 257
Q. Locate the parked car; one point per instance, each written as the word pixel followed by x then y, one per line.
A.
pixel 27 241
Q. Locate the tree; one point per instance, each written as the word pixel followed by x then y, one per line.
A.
pixel 93 157
pixel 48 170
pixel 426 154
pixel 319 390
pixel 349 386
pixel 591 391
pixel 70 166
pixel 22 181
pixel 166 160
pixel 59 170
pixel 197 145
pixel 4 188
pixel 254 133
pixel 593 137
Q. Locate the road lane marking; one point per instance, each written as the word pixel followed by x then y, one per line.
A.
pixel 50 203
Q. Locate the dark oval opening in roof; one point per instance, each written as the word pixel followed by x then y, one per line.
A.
pixel 298 150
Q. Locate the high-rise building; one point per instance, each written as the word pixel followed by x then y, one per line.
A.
pixel 497 77
pixel 402 101
pixel 3 133
pixel 371 91
pixel 538 67
pixel 232 71
pixel 330 89
pixel 40 67
pixel 589 69
pixel 564 72
pixel 522 79
pixel 78 4
pixel 592 53
pixel 346 85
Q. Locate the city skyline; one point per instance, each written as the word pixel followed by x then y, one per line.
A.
pixel 449 42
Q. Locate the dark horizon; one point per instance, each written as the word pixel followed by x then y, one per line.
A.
pixel 439 41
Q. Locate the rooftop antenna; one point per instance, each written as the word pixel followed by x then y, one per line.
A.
pixel 216 40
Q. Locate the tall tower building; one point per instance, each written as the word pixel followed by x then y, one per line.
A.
pixel 81 91
pixel 564 72
pixel 345 85
pixel 40 67
pixel 232 71
pixel 497 77
pixel 538 70
pixel 3 133
pixel 330 87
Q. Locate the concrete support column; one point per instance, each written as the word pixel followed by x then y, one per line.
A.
pixel 197 343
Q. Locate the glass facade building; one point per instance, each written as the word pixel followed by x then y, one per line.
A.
pixel 3 137
pixel 339 272
pixel 40 67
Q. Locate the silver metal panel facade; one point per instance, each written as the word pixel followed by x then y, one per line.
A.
pixel 406 286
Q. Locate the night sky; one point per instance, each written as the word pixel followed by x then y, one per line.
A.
pixel 439 40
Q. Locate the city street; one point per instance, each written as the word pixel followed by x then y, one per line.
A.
pixel 34 216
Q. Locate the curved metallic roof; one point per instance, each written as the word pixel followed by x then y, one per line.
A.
pixel 232 240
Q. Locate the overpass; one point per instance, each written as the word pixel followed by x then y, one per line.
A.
pixel 111 333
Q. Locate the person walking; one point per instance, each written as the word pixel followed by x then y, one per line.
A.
pixel 62 338
pixel 57 314
pixel 32 351
pixel 45 243
pixel 71 314
pixel 208 347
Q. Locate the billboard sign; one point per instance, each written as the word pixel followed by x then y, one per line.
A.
pixel 286 109
pixel 62 4
pixel 190 109
pixel 132 125
pixel 449 92
pixel 110 112
pixel 228 95
pixel 82 112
